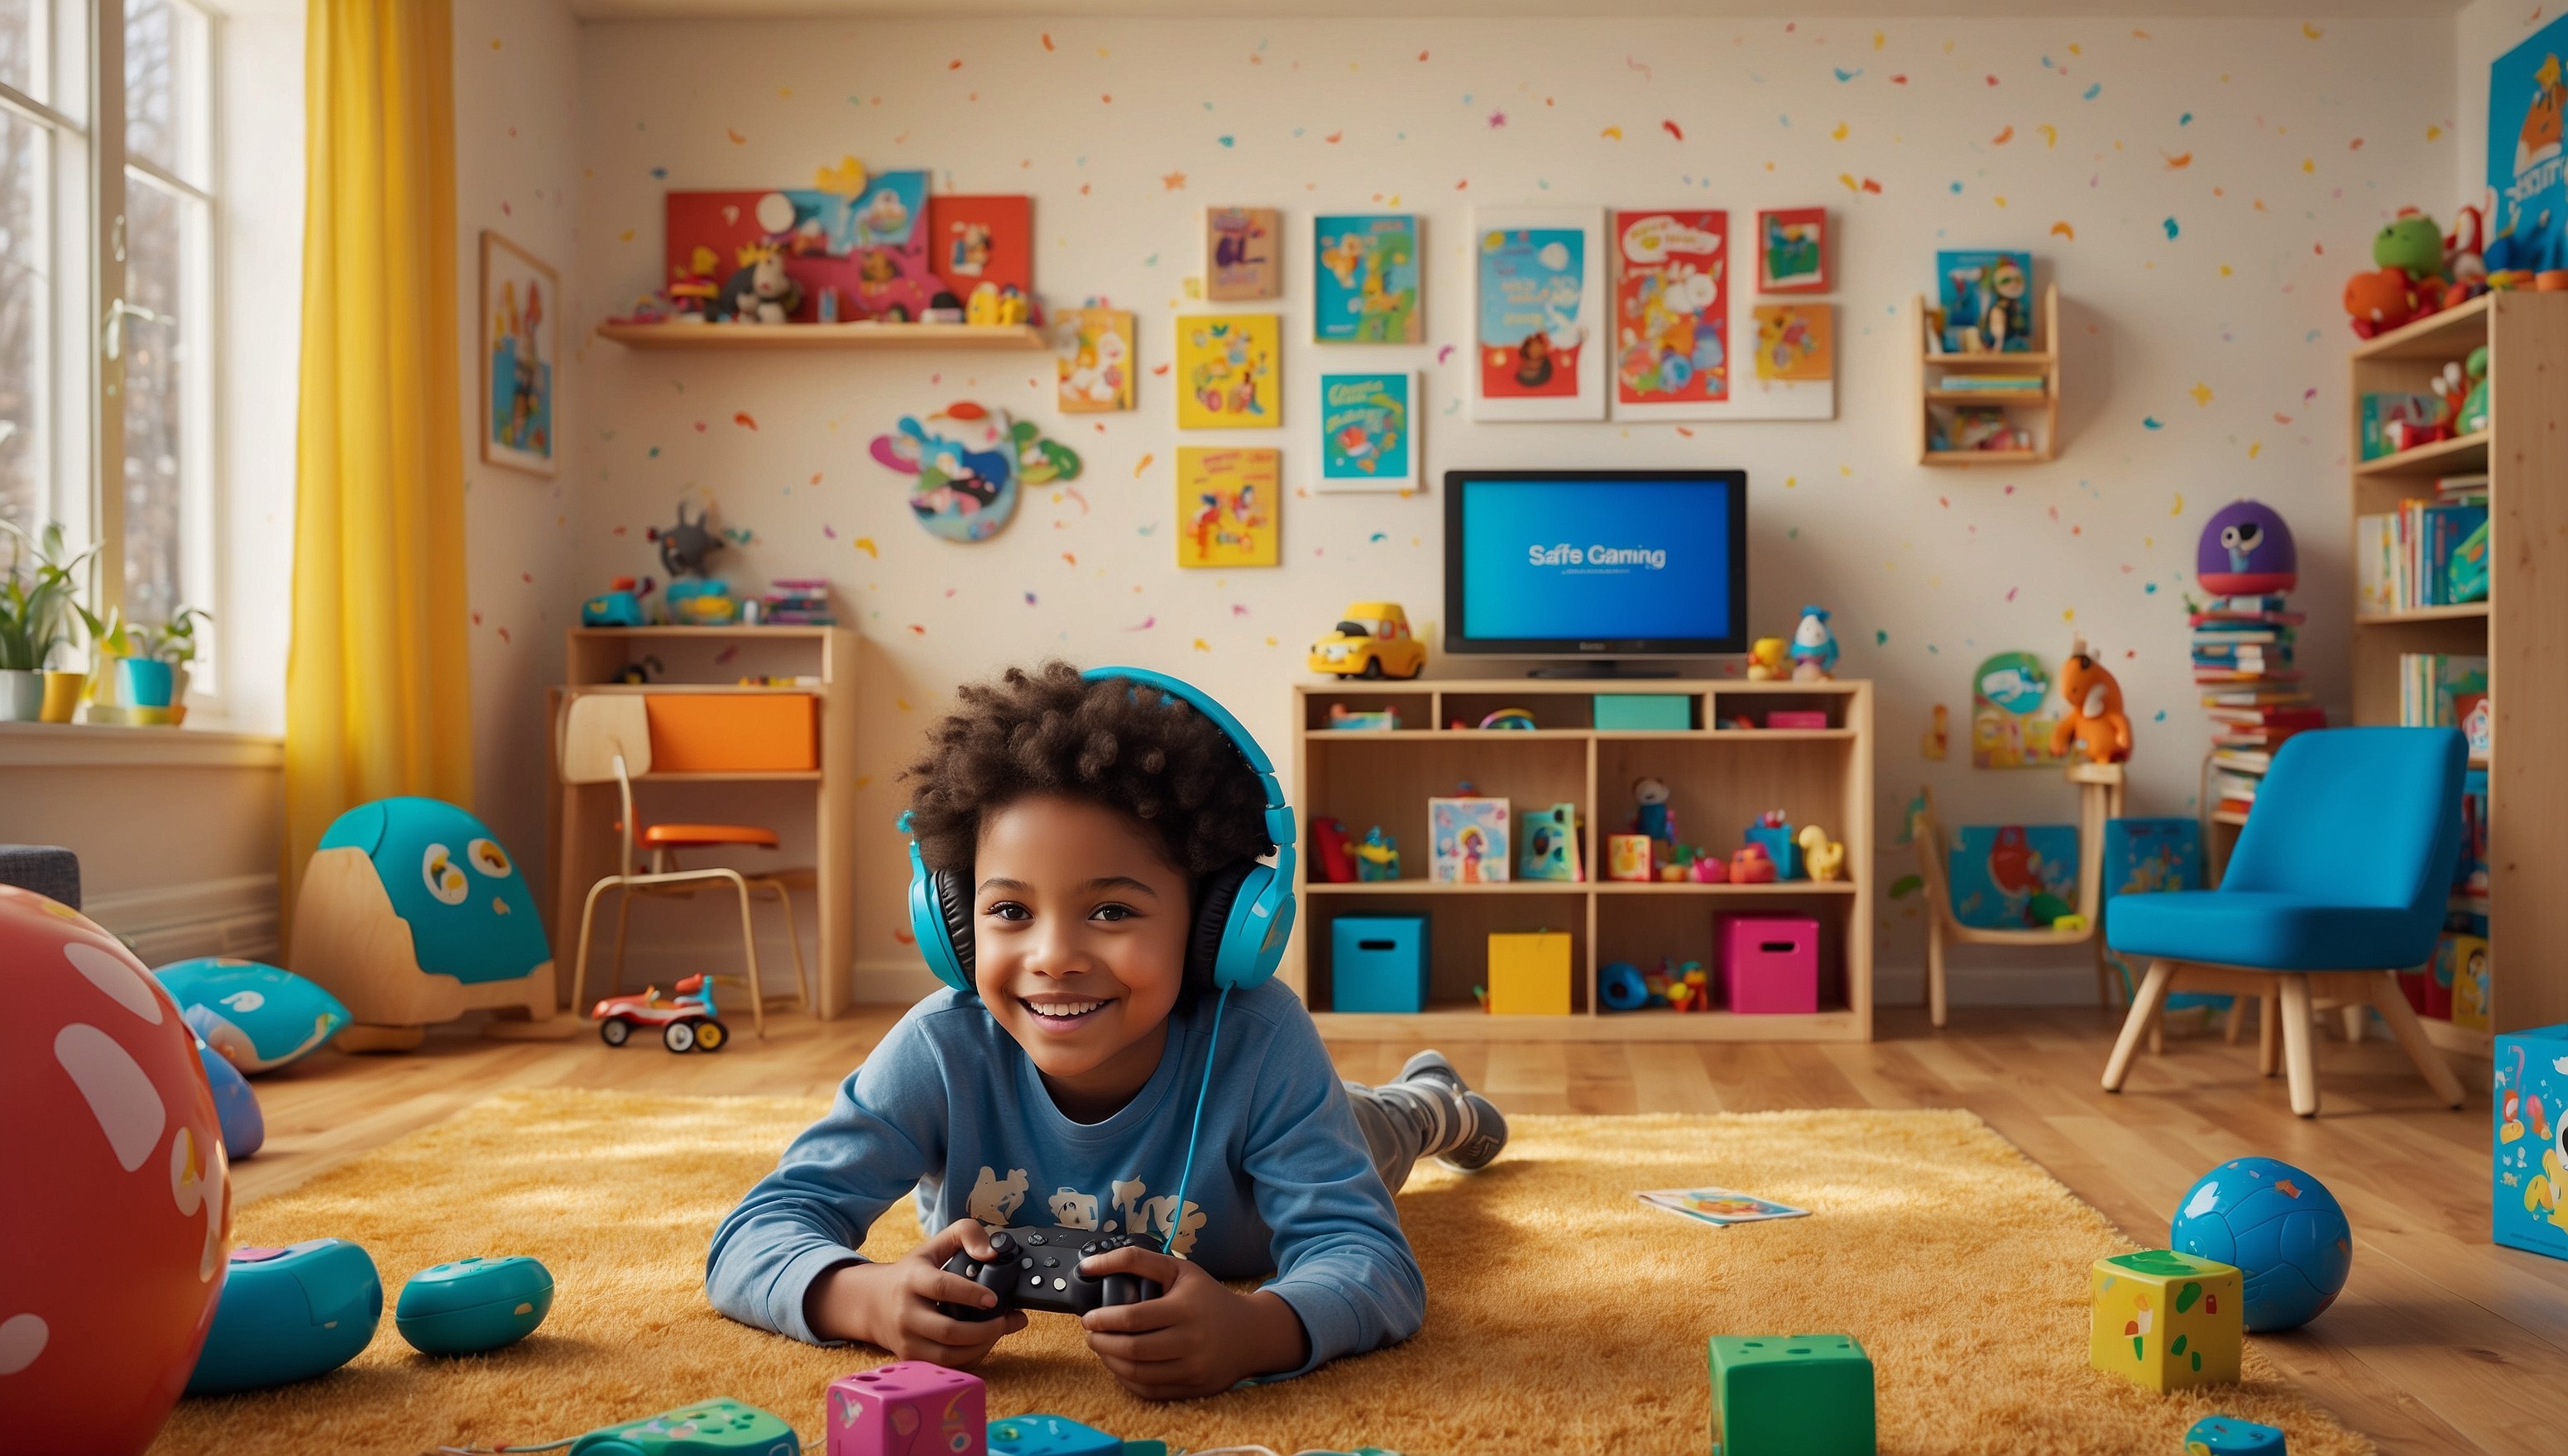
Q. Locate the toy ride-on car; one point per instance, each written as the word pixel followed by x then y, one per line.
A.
pixel 686 1017
pixel 1371 640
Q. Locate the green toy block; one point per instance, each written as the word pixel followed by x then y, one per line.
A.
pixel 1791 1396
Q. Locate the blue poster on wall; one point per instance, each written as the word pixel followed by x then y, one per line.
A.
pixel 2528 193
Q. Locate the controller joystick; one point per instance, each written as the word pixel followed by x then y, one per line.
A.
pixel 1039 1268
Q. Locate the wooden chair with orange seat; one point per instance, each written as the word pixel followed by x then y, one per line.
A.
pixel 607 736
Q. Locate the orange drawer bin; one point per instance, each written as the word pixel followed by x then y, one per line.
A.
pixel 734 733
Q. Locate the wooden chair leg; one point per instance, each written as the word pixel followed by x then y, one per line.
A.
pixel 2237 1020
pixel 794 938
pixel 2269 1034
pixel 2299 1065
pixel 2393 1008
pixel 2145 1008
pixel 2104 973
pixel 749 953
pixel 2157 1034
pixel 1934 969
pixel 2356 1014
pixel 579 962
pixel 623 919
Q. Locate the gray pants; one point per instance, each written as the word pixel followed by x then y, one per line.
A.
pixel 1397 1128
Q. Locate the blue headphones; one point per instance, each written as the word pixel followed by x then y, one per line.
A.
pixel 1243 911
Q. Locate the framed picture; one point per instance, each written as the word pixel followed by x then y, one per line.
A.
pixel 1796 341
pixel 1365 283
pixel 521 341
pixel 1368 431
pixel 1244 253
pixel 1229 501
pixel 1793 250
pixel 1538 300
pixel 1096 372
pixel 1987 295
pixel 1227 371
pixel 1672 356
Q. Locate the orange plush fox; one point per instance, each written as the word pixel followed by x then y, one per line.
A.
pixel 2094 722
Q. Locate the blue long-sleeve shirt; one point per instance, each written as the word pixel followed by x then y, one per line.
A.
pixel 951 1107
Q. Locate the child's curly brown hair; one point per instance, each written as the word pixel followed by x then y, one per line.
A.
pixel 1110 742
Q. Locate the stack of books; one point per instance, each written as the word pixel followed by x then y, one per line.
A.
pixel 2242 662
pixel 1993 384
pixel 800 601
pixel 2426 553
pixel 2447 690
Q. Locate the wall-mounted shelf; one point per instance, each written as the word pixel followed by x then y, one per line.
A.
pixel 2021 405
pixel 867 335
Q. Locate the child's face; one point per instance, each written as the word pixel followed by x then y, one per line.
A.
pixel 1079 933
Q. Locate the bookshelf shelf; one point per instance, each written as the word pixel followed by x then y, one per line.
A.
pixel 2454 613
pixel 2463 455
pixel 2036 409
pixel 860 335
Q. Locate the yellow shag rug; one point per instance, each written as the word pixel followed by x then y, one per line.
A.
pixel 1563 1316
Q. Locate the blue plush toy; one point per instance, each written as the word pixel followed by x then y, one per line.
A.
pixel 257 1017
pixel 235 1105
pixel 1815 647
pixel 2282 1228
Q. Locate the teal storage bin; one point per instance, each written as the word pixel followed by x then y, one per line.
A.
pixel 1378 963
pixel 1644 710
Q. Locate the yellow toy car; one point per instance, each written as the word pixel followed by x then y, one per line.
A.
pixel 1371 641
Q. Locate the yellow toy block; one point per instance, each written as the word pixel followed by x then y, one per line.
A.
pixel 2167 1320
pixel 1529 974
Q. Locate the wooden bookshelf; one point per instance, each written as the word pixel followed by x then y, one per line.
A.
pixel 860 335
pixel 2040 406
pixel 2519 627
pixel 1719 780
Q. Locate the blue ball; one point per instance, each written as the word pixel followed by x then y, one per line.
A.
pixel 2282 1228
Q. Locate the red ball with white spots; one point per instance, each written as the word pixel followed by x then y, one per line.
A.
pixel 118 1218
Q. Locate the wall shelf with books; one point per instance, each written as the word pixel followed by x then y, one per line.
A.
pixel 1986 409
pixel 2461 597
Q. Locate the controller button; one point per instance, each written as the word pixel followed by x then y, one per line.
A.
pixel 1025 1263
pixel 1059 1284
pixel 1052 1264
pixel 1034 1238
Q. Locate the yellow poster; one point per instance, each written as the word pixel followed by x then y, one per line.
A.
pixel 1229 501
pixel 1227 376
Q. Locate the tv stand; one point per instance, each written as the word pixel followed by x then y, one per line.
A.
pixel 1599 668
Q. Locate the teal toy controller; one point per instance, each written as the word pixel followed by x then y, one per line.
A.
pixel 720 1427
pixel 288 1315
pixel 474 1304
pixel 1049 1435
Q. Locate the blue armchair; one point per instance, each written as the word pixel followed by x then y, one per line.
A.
pixel 2337 884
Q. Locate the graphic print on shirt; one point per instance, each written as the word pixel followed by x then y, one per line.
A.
pixel 1071 1209
pixel 994 1199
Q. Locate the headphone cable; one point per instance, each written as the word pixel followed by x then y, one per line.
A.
pixel 1212 1043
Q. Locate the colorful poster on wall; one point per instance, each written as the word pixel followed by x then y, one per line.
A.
pixel 1097 370
pixel 1793 250
pixel 977 240
pixel 519 296
pixel 1536 297
pixel 1229 501
pixel 1366 285
pixel 1671 313
pixel 1988 300
pixel 862 237
pixel 1368 432
pixel 1227 375
pixel 1796 341
pixel 1244 253
pixel 2012 713
pixel 2528 176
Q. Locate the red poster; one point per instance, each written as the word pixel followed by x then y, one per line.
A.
pixel 977 240
pixel 1671 308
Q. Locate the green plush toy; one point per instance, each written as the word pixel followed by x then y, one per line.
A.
pixel 2473 416
pixel 2412 243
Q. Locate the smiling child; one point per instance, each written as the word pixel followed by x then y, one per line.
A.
pixel 1087 837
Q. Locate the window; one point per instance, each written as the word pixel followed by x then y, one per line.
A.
pixel 107 308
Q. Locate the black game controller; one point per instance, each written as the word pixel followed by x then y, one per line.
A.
pixel 1038 1269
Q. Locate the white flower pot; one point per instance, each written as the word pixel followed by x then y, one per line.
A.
pixel 22 696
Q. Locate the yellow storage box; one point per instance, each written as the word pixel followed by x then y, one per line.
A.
pixel 1529 974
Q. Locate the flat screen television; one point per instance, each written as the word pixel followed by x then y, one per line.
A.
pixel 1596 565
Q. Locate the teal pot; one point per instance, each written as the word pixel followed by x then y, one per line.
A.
pixel 146 683
pixel 22 696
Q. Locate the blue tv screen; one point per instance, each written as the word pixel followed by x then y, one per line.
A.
pixel 1595 562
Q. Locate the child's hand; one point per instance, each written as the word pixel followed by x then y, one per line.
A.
pixel 1197 1339
pixel 894 1304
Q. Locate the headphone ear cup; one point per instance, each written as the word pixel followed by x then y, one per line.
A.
pixel 954 902
pixel 1214 902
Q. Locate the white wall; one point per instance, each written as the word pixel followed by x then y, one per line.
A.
pixel 2205 357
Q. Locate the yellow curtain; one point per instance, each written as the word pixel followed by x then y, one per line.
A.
pixel 378 688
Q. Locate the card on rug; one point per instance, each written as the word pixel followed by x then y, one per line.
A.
pixel 1720 1206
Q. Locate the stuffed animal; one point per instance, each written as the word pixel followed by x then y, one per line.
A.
pixel 1823 857
pixel 762 292
pixel 2094 719
pixel 2473 414
pixel 1768 660
pixel 1652 815
pixel 1752 866
pixel 1815 647
pixel 2380 301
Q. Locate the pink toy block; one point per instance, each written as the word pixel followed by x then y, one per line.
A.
pixel 908 1408
pixel 1783 717
pixel 1769 964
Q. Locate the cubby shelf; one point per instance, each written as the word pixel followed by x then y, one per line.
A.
pixel 858 335
pixel 1720 777
pixel 2039 406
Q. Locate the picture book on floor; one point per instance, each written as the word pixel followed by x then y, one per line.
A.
pixel 1720 1206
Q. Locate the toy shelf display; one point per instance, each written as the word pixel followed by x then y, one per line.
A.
pixel 863 334
pixel 782 755
pixel 2010 391
pixel 2514 631
pixel 1542 750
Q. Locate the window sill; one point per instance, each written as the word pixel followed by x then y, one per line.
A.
pixel 114 745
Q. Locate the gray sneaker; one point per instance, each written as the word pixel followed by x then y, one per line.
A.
pixel 1482 1131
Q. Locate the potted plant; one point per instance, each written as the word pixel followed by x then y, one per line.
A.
pixel 36 611
pixel 154 674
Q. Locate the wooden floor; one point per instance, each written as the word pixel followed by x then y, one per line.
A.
pixel 2442 1341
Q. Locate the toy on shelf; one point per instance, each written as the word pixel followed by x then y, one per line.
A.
pixel 2281 1228
pixel 1372 639
pixel 119 1193
pixel 1345 719
pixel 1653 817
pixel 1333 851
pixel 2407 277
pixel 1824 857
pixel 1621 986
pixel 1627 857
pixel 1797 718
pixel 2227 1435
pixel 1689 987
pixel 2246 550
pixel 244 1127
pixel 1509 720
pixel 688 545
pixel 1791 1396
pixel 1752 866
pixel 289 1314
pixel 907 1408
pixel 2094 722
pixel 1773 832
pixel 1048 1436
pixel 2472 416
pixel 2165 1320
pixel 1549 845
pixel 620 605
pixel 412 913
pixel 2465 273
pixel 687 1017
pixel 1815 647
pixel 1378 858
pixel 474 1304
pixel 762 292
pixel 996 305
pixel 1467 840
pixel 1706 868
pixel 1769 658
pixel 257 1017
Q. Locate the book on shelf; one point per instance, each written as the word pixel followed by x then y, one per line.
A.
pixel 2447 690
pixel 2461 489
pixel 2420 555
pixel 1992 383
pixel 2241 760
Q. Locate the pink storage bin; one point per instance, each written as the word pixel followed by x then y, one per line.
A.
pixel 1769 964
